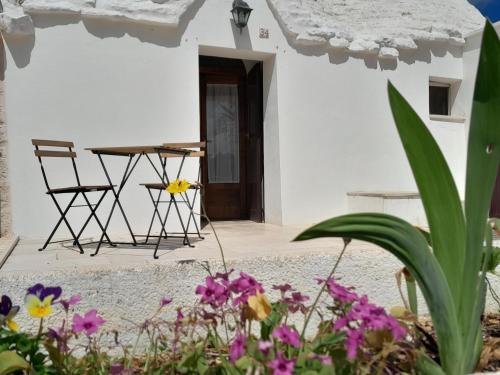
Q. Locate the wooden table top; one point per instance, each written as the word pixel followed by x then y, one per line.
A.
pixel 133 150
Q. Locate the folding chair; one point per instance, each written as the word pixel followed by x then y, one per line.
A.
pixel 197 151
pixel 74 190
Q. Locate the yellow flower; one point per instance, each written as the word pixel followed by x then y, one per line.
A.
pixel 37 308
pixel 260 307
pixel 178 186
pixel 12 325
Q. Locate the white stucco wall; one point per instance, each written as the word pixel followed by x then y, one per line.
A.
pixel 327 125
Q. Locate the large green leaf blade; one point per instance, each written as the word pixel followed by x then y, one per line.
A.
pixel 437 190
pixel 409 245
pixel 11 362
pixel 482 165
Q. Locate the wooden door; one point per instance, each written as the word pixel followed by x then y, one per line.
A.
pixel 255 153
pixel 224 128
pixel 495 202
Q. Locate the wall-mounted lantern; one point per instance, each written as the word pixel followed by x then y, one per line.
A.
pixel 241 13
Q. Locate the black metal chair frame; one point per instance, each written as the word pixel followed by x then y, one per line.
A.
pixel 75 190
pixel 173 200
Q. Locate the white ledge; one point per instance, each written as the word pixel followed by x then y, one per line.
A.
pixel 385 194
pixel 441 118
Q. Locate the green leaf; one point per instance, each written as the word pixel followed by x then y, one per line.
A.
pixel 411 289
pixel 482 164
pixel 11 362
pixel 408 245
pixel 437 189
pixel 327 340
pixel 425 365
pixel 244 362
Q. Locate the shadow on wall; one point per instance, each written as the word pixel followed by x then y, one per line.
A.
pixel 241 37
pixel 22 47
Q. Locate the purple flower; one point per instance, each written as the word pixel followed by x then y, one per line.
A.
pixel 283 288
pixel 42 292
pixel 119 369
pixel 89 323
pixel 281 365
pixel 165 301
pixel 339 292
pixel 7 310
pixel 66 304
pixel 212 293
pixel 265 346
pixel 324 359
pixel 59 335
pixel 245 286
pixel 237 348
pixel 224 277
pixel 296 302
pixel 355 339
pixel 360 318
pixel 287 335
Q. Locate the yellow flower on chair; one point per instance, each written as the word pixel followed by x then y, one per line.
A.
pixel 178 186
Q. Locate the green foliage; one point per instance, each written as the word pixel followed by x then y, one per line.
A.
pixel 11 362
pixel 448 263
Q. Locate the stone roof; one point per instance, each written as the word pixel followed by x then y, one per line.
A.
pixel 376 26
pixel 359 26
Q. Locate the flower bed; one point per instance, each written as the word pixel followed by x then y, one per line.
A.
pixel 233 329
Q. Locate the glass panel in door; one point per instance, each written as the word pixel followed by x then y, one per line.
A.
pixel 222 117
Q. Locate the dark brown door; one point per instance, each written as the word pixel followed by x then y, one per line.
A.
pixel 224 128
pixel 255 160
pixel 495 203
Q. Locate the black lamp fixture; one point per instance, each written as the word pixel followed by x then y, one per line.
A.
pixel 241 13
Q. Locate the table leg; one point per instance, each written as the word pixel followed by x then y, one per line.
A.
pixel 128 171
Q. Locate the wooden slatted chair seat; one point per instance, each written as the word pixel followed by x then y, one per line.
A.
pixel 81 189
pixel 161 186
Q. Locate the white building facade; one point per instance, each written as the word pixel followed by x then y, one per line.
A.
pixel 111 73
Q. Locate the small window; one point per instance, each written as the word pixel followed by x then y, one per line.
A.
pixel 439 99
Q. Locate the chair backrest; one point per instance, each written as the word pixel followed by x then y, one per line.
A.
pixel 197 149
pixel 54 153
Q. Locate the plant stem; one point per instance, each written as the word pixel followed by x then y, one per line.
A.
pixel 204 214
pixel 316 301
pixel 129 364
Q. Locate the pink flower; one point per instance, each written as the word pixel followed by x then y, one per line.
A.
pixel 237 348
pixel 296 302
pixel 287 335
pixel 265 346
pixel 339 292
pixel 360 318
pixel 281 365
pixel 165 301
pixel 324 359
pixel 213 293
pixel 245 286
pixel 283 288
pixel 355 339
pixel 89 323
pixel 224 276
pixel 71 302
